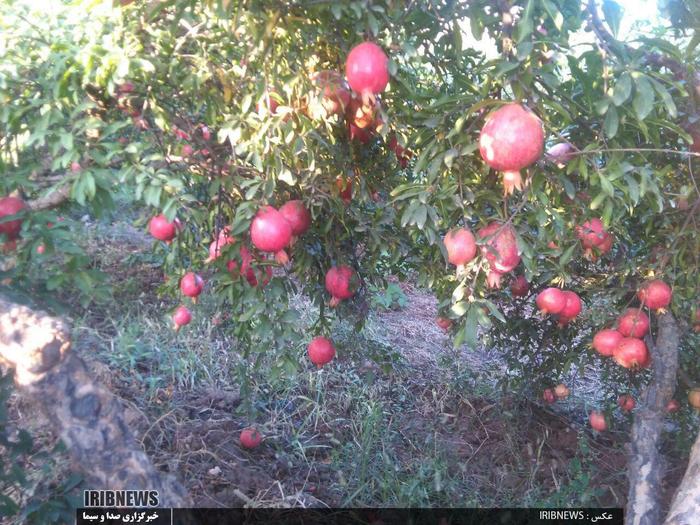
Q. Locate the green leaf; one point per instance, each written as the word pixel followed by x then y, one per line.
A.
pixel 613 15
pixel 643 101
pixel 623 89
pixel 554 14
pixel 567 255
pixel 612 121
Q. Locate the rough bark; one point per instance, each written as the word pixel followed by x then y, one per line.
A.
pixel 646 466
pixel 685 507
pixel 84 414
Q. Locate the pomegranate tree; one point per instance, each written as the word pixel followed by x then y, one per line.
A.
pixel 461 246
pixel 11 206
pixel 551 301
pixel 181 317
pixel 512 138
pixel 367 68
pixel 631 352
pixel 605 341
pixel 321 351
pixel 655 295
pixel 341 283
pixel 163 229
pixel 191 285
pixel 633 323
pixel 250 438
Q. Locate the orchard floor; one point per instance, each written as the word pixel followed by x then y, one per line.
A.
pixel 427 427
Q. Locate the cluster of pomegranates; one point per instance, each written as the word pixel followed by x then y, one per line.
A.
pixel 565 304
pixel 594 239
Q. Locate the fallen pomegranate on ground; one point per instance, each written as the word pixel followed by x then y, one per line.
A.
pixel 673 406
pixel 250 438
pixel 694 398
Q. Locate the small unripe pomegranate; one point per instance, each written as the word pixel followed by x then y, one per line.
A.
pixel 561 391
pixel 512 138
pixel 694 398
pixel 548 396
pixel 444 323
pixel 597 421
pixel 250 438
pixel 321 351
pixel 367 68
pixel 341 283
pixel 297 216
pixel 181 317
pixel 626 402
pixel 551 301
pixel 11 206
pixel 631 352
pixel 162 229
pixel 655 294
pixel 673 406
pixel 519 287
pixel 270 231
pixel 191 285
pixel 572 307
pixel 633 323
pixel 501 248
pixel 605 341
pixel 460 245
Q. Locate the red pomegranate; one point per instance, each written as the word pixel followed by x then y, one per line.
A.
pixel 250 438
pixel 187 150
pixel 321 351
pixel 605 246
pixel 362 114
pixel 247 268
pixel 631 352
pixel 633 323
pixel 548 396
pixel 551 301
pixel 626 402
pixel 673 406
pixel 341 283
pixel 218 245
pixel 191 285
pixel 592 233
pixel 519 287
pixel 560 153
pixel 162 229
pixel 11 206
pixel 501 248
pixel 206 134
pixel 597 421
pixel 655 294
pixel 270 231
pixel 461 246
pixel 444 323
pixel 267 103
pixel 572 307
pixel 561 391
pixel 334 94
pixel 367 68
pixel 344 186
pixel 297 216
pixel 181 317
pixel 605 341
pixel 512 138
pixel 361 135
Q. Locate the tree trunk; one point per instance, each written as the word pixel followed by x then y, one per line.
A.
pixel 646 467
pixel 85 415
pixel 685 507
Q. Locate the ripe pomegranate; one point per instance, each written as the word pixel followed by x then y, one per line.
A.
pixel 162 229
pixel 512 138
pixel 655 295
pixel 361 135
pixel 673 406
pixel 548 396
pixel 605 341
pixel 297 216
pixel 626 402
pixel 461 246
pixel 250 438
pixel 247 269
pixel 605 246
pixel 191 285
pixel 367 68
pixel 597 421
pixel 560 154
pixel 444 323
pixel 501 248
pixel 633 323
pixel 217 246
pixel 270 231
pixel 519 287
pixel 561 391
pixel 592 233
pixel 187 150
pixel 75 167
pixel 341 283
pixel 571 309
pixel 11 206
pixel 334 94
pixel 551 301
pixel 631 352
pixel 181 317
pixel 321 351
pixel 694 398
pixel 344 186
pixel 40 249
